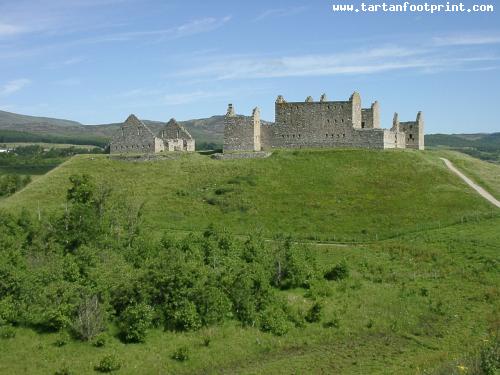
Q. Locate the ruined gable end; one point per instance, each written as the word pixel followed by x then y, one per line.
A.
pixel 175 137
pixel 134 137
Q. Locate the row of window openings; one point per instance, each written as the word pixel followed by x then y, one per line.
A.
pixel 132 147
pixel 298 135
pixel 328 121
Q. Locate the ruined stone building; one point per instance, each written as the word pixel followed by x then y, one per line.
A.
pixel 135 137
pixel 176 138
pixel 323 124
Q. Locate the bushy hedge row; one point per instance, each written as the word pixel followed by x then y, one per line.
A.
pixel 92 265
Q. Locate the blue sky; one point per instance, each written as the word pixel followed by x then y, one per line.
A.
pixel 96 61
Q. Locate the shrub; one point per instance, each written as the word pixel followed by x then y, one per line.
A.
pixel 135 321
pixel 181 354
pixel 108 363
pixel 319 288
pixel 339 272
pixel 63 371
pixel 100 340
pixel 90 319
pixel 314 313
pixel 332 323
pixel 186 318
pixel 213 305
pixel 7 332
pixel 62 339
pixel 490 359
pixel 274 320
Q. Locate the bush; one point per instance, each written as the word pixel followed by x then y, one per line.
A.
pixel 314 313
pixel 181 354
pixel 213 305
pixel 63 371
pixel 135 321
pixel 274 320
pixel 90 319
pixel 490 359
pixel 7 332
pixel 332 323
pixel 62 339
pixel 108 363
pixel 100 340
pixel 186 318
pixel 339 272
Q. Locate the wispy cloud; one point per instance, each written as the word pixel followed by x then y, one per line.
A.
pixel 467 39
pixel 67 62
pixel 68 82
pixel 14 86
pixel 280 12
pixel 191 97
pixel 9 30
pixel 367 61
pixel 198 26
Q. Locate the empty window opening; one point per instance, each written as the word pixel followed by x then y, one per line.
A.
pixel 363 125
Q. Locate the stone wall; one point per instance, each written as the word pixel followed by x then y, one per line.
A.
pixel 323 124
pixel 370 117
pixel 414 131
pixel 176 138
pixel 135 137
pixel 242 133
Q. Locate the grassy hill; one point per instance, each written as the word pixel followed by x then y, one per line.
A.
pixel 331 195
pixel 21 128
pixel 483 146
pixel 424 298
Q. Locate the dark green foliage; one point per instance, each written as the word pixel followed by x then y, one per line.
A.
pixel 314 313
pixel 91 265
pixel 10 183
pixel 100 340
pixel 338 272
pixel 7 332
pixel 64 371
pixel 293 266
pixel 273 319
pixel 108 363
pixel 490 359
pixel 135 321
pixel 181 354
pixel 62 339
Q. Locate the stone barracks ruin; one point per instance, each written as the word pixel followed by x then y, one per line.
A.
pixel 135 137
pixel 323 124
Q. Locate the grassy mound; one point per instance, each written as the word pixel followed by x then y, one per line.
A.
pixel 330 195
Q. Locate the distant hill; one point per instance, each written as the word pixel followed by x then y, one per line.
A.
pixel 21 128
pixel 482 146
pixel 17 128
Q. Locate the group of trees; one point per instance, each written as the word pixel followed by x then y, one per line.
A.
pixel 92 266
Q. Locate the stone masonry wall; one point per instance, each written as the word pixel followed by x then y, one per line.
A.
pixel 135 137
pixel 242 133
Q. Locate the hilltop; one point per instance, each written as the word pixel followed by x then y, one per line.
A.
pixel 333 195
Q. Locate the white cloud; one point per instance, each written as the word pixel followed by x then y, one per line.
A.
pixel 9 30
pixel 467 39
pixel 368 61
pixel 63 63
pixel 280 12
pixel 199 26
pixel 68 82
pixel 14 86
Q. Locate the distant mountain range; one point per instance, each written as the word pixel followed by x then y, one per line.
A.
pixel 17 128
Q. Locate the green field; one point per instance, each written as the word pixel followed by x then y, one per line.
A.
pixel 314 195
pixel 422 295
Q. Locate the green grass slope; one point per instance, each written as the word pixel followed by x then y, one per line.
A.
pixel 420 304
pixel 485 174
pixel 331 195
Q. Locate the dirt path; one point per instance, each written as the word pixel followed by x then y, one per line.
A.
pixel 471 183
